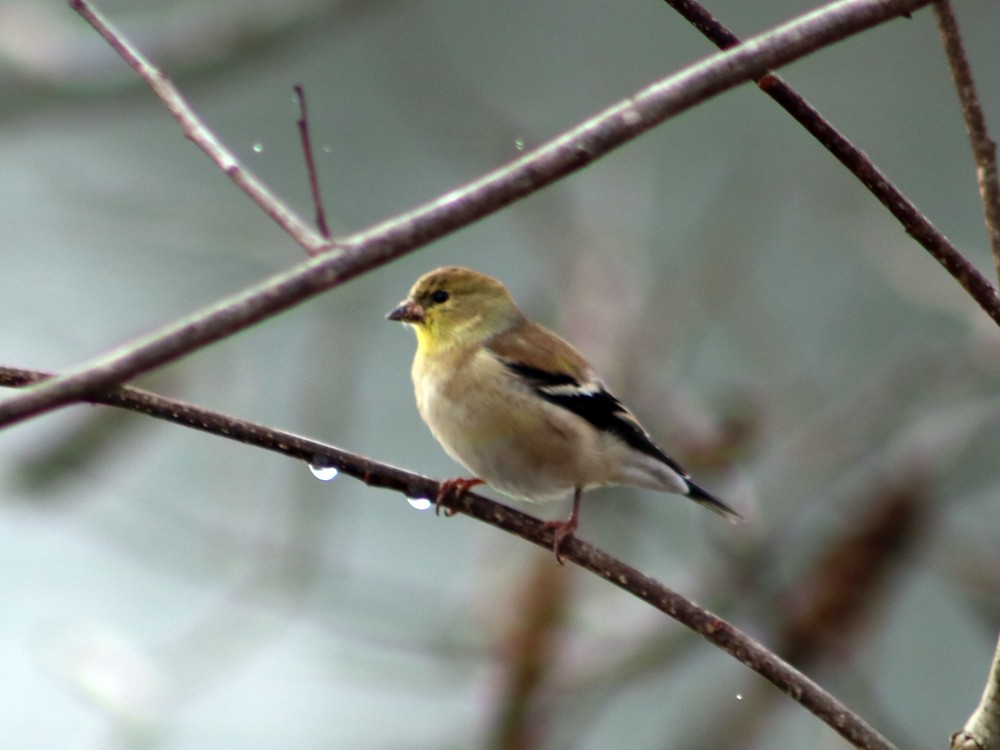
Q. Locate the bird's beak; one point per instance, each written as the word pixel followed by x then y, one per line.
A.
pixel 407 311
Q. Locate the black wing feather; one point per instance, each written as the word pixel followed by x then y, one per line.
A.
pixel 594 404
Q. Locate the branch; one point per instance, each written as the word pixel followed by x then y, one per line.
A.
pixel 307 155
pixel 403 234
pixel 857 162
pixel 983 148
pixel 375 474
pixel 982 730
pixel 199 133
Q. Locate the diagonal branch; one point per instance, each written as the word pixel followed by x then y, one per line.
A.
pixel 984 150
pixel 199 133
pixel 857 162
pixel 382 243
pixel 375 474
pixel 982 730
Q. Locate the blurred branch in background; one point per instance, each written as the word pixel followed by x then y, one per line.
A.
pixel 984 150
pixel 848 579
pixel 530 658
pixel 846 585
pixel 42 47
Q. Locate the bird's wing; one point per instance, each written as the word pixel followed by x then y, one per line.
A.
pixel 559 374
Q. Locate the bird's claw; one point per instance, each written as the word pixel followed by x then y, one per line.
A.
pixel 560 530
pixel 450 491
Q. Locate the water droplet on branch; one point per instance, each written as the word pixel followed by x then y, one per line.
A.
pixel 323 473
pixel 419 503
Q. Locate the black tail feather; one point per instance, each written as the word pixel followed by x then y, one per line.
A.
pixel 700 495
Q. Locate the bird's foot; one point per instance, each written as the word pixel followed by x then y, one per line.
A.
pixel 450 491
pixel 561 530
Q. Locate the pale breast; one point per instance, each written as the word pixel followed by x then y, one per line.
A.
pixel 506 435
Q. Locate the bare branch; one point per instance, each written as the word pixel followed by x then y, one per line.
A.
pixel 386 241
pixel 375 474
pixel 857 162
pixel 307 154
pixel 983 148
pixel 982 730
pixel 199 133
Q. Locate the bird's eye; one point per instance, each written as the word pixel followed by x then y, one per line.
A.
pixel 439 296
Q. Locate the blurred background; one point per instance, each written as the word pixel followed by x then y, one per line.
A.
pixel 770 322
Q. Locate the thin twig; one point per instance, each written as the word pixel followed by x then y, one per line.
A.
pixel 984 150
pixel 402 234
pixel 375 474
pixel 200 134
pixel 857 162
pixel 307 153
pixel 982 730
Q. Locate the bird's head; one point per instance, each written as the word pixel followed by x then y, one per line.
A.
pixel 454 306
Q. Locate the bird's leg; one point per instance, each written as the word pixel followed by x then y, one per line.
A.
pixel 563 529
pixel 450 491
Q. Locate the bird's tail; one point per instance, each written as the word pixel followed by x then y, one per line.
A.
pixel 700 495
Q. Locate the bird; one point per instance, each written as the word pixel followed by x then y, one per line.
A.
pixel 519 407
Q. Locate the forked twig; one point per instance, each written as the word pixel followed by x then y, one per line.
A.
pixel 200 134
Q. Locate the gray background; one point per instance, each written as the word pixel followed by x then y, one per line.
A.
pixel 162 588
